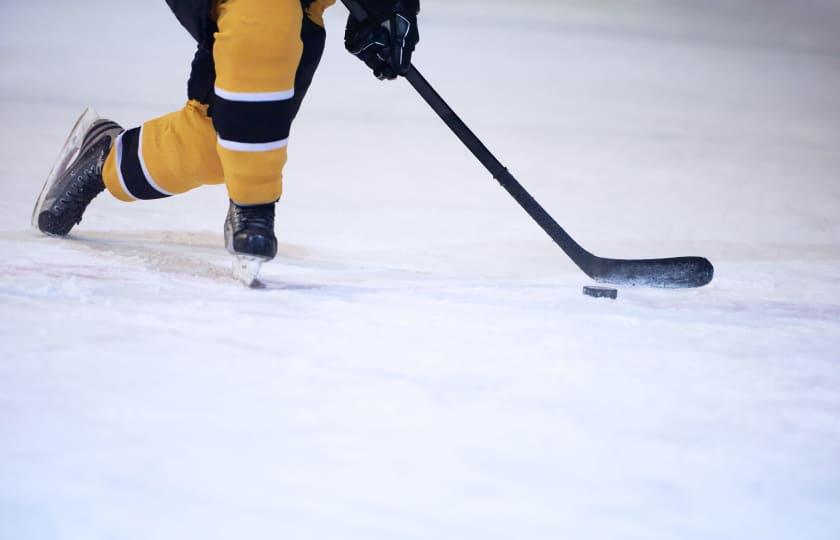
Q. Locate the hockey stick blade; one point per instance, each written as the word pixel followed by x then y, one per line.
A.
pixel 672 273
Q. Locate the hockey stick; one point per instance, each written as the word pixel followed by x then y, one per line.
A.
pixel 675 272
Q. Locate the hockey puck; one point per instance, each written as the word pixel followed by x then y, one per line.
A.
pixel 601 292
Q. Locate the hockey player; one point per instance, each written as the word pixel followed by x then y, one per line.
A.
pixel 254 63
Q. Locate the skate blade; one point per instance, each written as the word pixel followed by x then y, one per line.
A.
pixel 69 152
pixel 246 269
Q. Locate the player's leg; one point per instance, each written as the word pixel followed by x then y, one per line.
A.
pixel 171 154
pixel 265 56
pixel 165 156
pixel 257 51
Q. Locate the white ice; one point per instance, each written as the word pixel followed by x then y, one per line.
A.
pixel 422 363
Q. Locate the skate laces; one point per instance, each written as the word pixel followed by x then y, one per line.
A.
pixel 259 216
pixel 81 191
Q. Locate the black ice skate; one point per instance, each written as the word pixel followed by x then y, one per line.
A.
pixel 76 177
pixel 249 235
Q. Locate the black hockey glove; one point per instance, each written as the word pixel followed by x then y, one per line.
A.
pixel 385 41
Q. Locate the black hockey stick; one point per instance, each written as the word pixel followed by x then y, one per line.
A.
pixel 675 272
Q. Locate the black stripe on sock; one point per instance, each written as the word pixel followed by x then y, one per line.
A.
pixel 132 172
pixel 253 122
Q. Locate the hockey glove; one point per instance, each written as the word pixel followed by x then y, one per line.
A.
pixel 386 40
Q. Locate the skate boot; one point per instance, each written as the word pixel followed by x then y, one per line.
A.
pixel 76 177
pixel 249 236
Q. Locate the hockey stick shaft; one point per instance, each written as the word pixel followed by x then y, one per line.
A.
pixel 495 167
pixel 485 156
pixel 677 272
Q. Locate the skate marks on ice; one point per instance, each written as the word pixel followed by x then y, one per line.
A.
pixel 131 256
pixel 185 254
pixel 746 291
pixel 127 256
pixel 202 255
pixel 190 254
pixel 141 259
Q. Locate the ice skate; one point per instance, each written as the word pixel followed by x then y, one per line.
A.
pixel 76 177
pixel 249 236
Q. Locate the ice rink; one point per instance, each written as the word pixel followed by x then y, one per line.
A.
pixel 422 363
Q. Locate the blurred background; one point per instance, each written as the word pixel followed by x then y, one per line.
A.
pixel 731 102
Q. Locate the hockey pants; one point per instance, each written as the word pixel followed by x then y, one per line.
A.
pixel 243 96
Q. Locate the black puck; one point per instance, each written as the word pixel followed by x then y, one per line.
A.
pixel 600 292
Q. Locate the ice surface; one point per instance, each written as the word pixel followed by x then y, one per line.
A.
pixel 421 363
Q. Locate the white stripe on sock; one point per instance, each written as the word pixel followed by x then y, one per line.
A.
pixel 255 96
pixel 252 147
